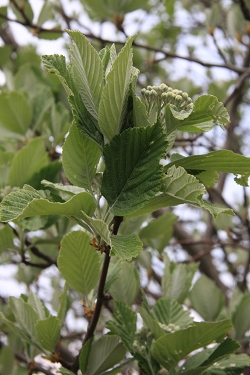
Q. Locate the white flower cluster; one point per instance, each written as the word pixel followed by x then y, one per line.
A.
pixel 162 95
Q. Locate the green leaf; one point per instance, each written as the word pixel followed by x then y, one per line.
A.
pixel 63 304
pixel 166 316
pixel 69 189
pixel 45 14
pixel 19 331
pixel 25 316
pixel 50 172
pixel 5 51
pixel 3 11
pixel 115 93
pixel 64 371
pixel 125 287
pixel 6 238
pixel 159 231
pixel 177 279
pixel 7 360
pixel 206 298
pixel 48 332
pixel 38 306
pixel 109 352
pixel 98 227
pixel 214 209
pixel 201 361
pixel 140 118
pixel 219 161
pixel 207 113
pixel 56 64
pixel 5 162
pixel 124 324
pixel 113 274
pixel 117 369
pixel 51 35
pixel 84 355
pixel 180 185
pixel 28 203
pixel 28 161
pixel 227 346
pixel 80 157
pixel 133 173
pixel 87 70
pixel 207 178
pixel 232 365
pixel 167 311
pixel 242 181
pixel 25 6
pixel 149 322
pixel 37 222
pixel 179 114
pixel 59 122
pixel 126 247
pixel 15 115
pixel 241 317
pixel 79 262
pixel 168 350
pixel 42 102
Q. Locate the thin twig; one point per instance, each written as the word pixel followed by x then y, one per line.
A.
pixel 167 54
pixel 238 87
pixel 211 242
pixel 33 264
pixel 41 255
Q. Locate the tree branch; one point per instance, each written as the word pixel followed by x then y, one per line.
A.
pixel 100 294
pixel 167 54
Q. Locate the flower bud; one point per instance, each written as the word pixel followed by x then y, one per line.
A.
pixel 163 87
pixel 178 99
pixel 152 94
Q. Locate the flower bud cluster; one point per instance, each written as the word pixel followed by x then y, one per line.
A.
pixel 170 328
pixel 143 341
pixel 162 95
pixel 139 348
